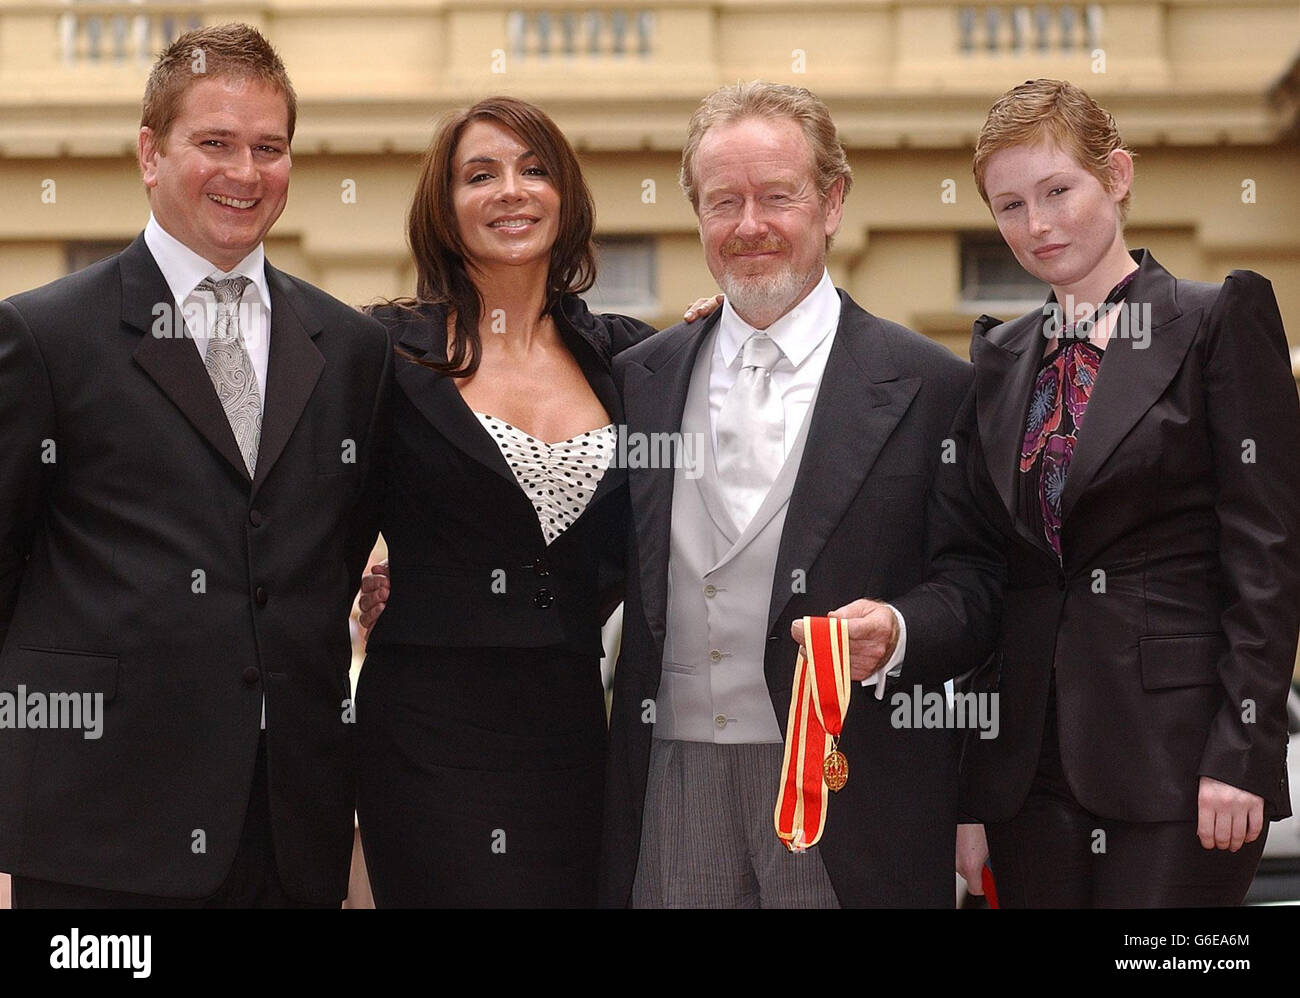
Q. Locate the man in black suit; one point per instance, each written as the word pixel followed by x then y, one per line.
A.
pixel 185 507
pixel 829 475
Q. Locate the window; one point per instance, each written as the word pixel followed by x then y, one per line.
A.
pixel 992 278
pixel 625 276
pixel 81 255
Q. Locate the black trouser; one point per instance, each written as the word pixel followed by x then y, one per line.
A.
pixel 1056 854
pixel 253 881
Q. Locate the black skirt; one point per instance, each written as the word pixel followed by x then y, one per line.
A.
pixel 480 776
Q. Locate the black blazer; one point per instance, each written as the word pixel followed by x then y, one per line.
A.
pixel 137 560
pixel 468 562
pixel 1172 614
pixel 874 512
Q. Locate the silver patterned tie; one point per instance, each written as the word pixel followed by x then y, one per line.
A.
pixel 751 432
pixel 231 369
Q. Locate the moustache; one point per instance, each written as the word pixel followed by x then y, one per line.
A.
pixel 770 245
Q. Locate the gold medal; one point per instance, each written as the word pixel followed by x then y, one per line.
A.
pixel 835 770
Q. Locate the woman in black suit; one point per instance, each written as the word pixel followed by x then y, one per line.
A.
pixel 1143 459
pixel 481 714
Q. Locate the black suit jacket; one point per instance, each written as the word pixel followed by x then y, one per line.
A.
pixel 138 560
pixel 1171 616
pixel 467 559
pixel 875 511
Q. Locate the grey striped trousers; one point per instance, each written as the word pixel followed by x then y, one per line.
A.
pixel 708 840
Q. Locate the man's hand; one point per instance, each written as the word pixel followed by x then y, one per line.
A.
pixel 1226 817
pixel 374 594
pixel 873 635
pixel 702 307
pixel 972 853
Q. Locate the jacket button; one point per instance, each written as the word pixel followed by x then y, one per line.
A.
pixel 251 675
pixel 260 596
pixel 715 655
pixel 543 598
pixel 255 518
pixel 540 569
pixel 710 590
pixel 720 720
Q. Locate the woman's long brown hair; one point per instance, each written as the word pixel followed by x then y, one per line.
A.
pixel 442 277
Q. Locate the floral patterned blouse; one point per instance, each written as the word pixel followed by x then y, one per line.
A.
pixel 1057 403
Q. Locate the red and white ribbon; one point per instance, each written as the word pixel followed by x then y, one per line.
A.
pixel 818 703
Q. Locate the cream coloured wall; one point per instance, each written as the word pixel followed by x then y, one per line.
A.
pixel 1189 81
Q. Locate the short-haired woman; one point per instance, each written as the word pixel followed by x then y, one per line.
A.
pixel 1141 436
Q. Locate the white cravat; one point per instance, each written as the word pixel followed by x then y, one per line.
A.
pixel 805 335
pixel 751 432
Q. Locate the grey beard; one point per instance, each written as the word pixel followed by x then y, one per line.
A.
pixel 764 295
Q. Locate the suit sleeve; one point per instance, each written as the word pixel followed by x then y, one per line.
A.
pixel 618 331
pixel 612 566
pixel 366 519
pixel 953 617
pixel 1254 424
pixel 26 463
pixel 625 331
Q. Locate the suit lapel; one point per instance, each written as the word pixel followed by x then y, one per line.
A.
pixel 437 398
pixel 169 356
pixel 292 370
pixel 1130 379
pixel 859 403
pixel 654 395
pixel 440 402
pixel 1006 365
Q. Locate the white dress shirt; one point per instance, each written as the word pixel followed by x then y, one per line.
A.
pixel 805 335
pixel 182 269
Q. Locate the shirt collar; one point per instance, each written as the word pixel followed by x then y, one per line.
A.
pixel 182 268
pixel 797 333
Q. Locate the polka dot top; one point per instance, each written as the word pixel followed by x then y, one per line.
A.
pixel 559 479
